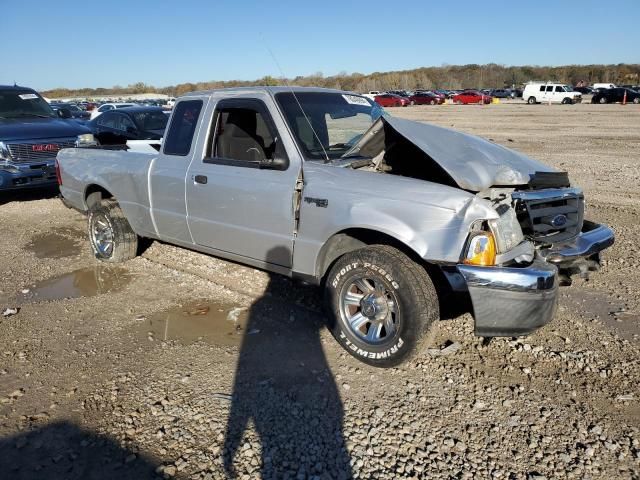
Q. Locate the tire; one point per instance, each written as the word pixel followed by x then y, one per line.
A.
pixel 112 238
pixel 603 100
pixel 531 100
pixel 412 103
pixel 397 295
pixel 457 102
pixel 432 102
pixel 566 101
pixel 636 100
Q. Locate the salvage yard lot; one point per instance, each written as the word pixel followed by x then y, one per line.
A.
pixel 180 365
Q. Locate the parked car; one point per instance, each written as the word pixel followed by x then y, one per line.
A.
pixel 115 127
pixel 74 110
pixel 583 90
pixel 105 107
pixel 31 134
pixel 603 85
pixel 373 94
pixel 550 93
pixel 501 93
pixel 391 100
pixel 379 220
pixel 614 95
pixel 426 99
pixel 471 96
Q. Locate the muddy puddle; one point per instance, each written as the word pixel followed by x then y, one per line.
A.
pixel 210 322
pixel 85 282
pixel 58 244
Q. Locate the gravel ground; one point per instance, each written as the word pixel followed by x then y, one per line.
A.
pixel 179 365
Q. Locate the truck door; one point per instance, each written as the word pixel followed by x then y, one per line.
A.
pixel 168 172
pixel 240 193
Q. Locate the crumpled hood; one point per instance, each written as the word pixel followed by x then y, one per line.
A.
pixel 473 163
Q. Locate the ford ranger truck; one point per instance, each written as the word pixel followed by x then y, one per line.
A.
pixel 389 216
pixel 31 134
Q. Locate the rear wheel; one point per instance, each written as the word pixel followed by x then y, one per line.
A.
pixel 603 99
pixel 381 304
pixel 636 100
pixel 112 238
pixel 432 102
pixel 531 100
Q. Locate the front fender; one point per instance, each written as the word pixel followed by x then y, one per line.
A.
pixel 430 219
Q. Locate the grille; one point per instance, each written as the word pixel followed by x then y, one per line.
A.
pixel 39 151
pixel 550 216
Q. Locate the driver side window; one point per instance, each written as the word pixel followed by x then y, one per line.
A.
pixel 243 134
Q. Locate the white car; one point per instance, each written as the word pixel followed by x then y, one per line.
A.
pixel 108 106
pixel 372 94
pixel 596 86
pixel 550 93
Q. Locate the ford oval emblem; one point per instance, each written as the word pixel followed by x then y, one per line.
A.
pixel 559 221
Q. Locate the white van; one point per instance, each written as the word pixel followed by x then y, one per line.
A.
pixel 550 92
pixel 603 85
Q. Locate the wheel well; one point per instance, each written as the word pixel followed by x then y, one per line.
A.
pixel 94 194
pixel 352 239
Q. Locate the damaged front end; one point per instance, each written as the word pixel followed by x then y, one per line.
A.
pixel 511 266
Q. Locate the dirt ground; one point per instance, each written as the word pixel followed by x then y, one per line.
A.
pixel 179 365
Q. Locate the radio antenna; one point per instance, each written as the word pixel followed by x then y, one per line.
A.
pixel 284 77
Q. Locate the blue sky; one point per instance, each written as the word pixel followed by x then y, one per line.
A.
pixel 69 43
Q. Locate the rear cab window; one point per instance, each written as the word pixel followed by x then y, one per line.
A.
pixel 182 128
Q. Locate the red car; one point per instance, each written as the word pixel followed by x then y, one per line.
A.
pixel 426 99
pixel 471 96
pixel 391 100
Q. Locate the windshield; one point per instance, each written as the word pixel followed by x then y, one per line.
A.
pixel 568 88
pixel 328 124
pixel 151 120
pixel 23 103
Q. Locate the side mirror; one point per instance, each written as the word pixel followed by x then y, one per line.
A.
pixel 277 163
pixel 64 113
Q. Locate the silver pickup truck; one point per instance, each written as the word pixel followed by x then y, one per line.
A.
pixel 390 216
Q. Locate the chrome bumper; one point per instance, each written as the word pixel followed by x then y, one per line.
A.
pixel 511 301
pixel 587 245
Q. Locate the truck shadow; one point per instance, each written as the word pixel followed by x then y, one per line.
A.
pixel 64 451
pixel 28 195
pixel 285 390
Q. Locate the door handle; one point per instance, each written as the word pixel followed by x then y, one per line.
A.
pixel 202 179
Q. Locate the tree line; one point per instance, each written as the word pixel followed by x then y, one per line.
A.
pixel 445 76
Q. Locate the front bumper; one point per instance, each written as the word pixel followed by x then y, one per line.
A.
pixel 581 254
pixel 511 301
pixel 18 176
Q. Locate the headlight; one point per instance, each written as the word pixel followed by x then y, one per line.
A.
pixel 506 229
pixel 4 152
pixel 86 140
pixel 481 250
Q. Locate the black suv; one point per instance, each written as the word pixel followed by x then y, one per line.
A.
pixel 31 134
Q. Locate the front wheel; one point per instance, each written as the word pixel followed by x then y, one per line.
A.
pixel 566 101
pixel 603 100
pixel 432 102
pixel 531 100
pixel 381 304
pixel 636 100
pixel 112 238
